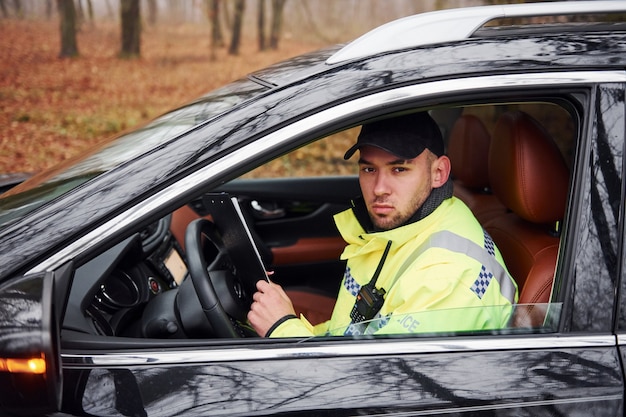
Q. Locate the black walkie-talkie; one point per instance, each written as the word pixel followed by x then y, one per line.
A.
pixel 370 299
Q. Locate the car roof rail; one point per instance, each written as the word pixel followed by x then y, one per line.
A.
pixel 457 24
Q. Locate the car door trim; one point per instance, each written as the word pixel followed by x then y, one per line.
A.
pixel 204 176
pixel 508 406
pixel 352 348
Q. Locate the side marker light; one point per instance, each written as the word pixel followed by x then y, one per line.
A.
pixel 28 366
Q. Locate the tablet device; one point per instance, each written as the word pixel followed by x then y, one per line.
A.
pixel 237 238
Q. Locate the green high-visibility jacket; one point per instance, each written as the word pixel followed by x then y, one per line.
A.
pixel 442 273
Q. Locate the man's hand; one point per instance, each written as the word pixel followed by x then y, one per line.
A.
pixel 270 305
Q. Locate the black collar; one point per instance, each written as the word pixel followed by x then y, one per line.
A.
pixel 434 200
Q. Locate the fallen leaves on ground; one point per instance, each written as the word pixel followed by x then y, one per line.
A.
pixel 52 108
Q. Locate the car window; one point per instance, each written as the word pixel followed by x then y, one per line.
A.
pixel 556 126
pixel 325 156
pixel 320 158
pixel 289 204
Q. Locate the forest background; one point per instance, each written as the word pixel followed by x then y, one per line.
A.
pixel 53 106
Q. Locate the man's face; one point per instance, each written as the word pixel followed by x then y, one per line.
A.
pixel 394 188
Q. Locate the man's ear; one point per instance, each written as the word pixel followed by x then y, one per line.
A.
pixel 441 171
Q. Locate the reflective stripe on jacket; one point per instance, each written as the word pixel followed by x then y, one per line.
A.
pixel 442 273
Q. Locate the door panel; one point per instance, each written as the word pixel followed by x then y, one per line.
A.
pixel 293 218
pixel 563 381
pixel 292 221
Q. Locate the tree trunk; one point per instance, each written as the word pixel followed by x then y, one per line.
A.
pixel 213 15
pixel 277 22
pixel 69 47
pixel 48 9
pixel 131 29
pixel 110 13
pixel 90 12
pixel 240 6
pixel 311 25
pixel 216 30
pixel 5 11
pixel 261 25
pixel 19 11
pixel 226 15
pixel 152 12
pixel 80 14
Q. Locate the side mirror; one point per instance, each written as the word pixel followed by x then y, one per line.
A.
pixel 30 371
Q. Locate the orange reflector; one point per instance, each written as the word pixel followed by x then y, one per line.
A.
pixel 29 366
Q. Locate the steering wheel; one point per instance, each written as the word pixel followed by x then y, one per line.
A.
pixel 220 291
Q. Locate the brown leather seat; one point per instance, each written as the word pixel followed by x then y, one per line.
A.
pixel 529 175
pixel 468 150
pixel 317 308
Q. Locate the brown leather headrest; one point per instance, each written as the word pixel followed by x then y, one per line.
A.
pixel 468 150
pixel 527 171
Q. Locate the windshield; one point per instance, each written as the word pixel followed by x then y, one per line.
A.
pixel 65 177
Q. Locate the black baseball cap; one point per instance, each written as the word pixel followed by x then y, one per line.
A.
pixel 405 136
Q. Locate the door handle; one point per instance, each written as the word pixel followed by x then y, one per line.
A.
pixel 265 213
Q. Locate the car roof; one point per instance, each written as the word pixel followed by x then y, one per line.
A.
pixel 458 24
pixel 450 27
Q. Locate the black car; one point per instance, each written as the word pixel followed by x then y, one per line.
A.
pixel 122 285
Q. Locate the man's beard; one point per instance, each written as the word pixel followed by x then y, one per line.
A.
pixel 395 219
pixel 423 206
pixel 388 222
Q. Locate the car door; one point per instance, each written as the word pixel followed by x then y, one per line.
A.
pixel 569 366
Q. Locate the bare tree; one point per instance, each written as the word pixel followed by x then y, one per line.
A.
pixel 48 9
pixel 226 15
pixel 131 28
pixel 240 6
pixel 5 11
pixel 213 15
pixel 277 22
pixel 216 30
pixel 80 14
pixel 261 25
pixel 19 10
pixel 152 12
pixel 311 25
pixel 110 12
pixel 69 47
pixel 90 12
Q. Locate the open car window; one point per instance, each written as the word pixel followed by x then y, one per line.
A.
pixel 141 287
pixel 321 158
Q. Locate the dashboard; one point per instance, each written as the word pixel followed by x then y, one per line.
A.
pixel 110 292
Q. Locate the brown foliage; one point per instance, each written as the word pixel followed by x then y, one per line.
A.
pixel 51 108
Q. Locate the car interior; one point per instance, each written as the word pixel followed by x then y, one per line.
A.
pixel 510 164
